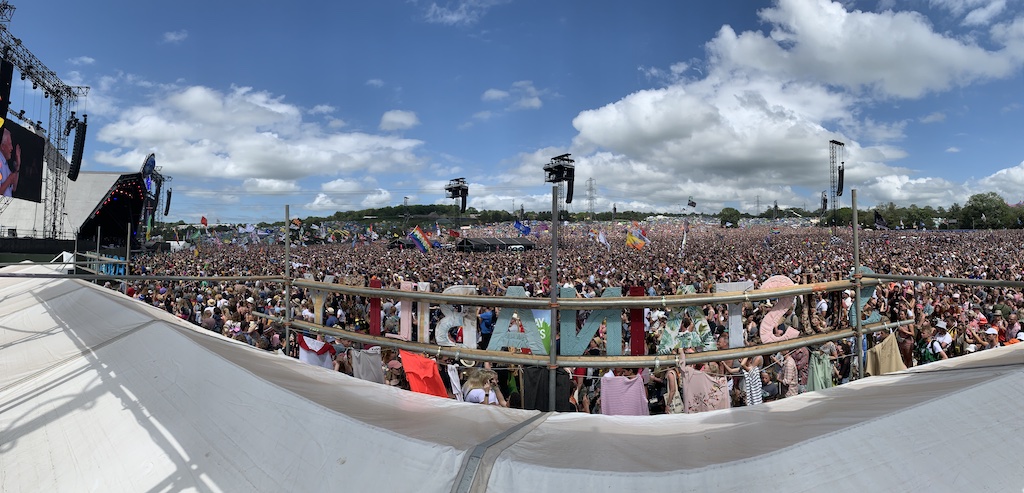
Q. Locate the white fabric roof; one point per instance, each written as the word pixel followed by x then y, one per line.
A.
pixel 100 392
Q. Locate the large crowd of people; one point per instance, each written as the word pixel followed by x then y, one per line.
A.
pixel 949 319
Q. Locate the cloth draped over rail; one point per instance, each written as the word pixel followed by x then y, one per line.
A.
pixel 752 386
pixel 623 396
pixel 703 392
pixel 453 382
pixel 885 357
pixel 367 365
pixel 314 352
pixel 422 373
pixel 821 371
pixel 536 390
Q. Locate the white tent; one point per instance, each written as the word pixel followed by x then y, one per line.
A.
pixel 99 392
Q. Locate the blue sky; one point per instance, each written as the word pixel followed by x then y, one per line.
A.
pixel 347 105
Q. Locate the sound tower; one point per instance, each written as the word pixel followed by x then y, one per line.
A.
pixel 78 149
pixel 6 76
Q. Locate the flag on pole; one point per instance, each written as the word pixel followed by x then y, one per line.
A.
pixel 420 239
pixel 604 241
pixel 642 235
pixel 633 241
pixel 524 229
pixel 203 221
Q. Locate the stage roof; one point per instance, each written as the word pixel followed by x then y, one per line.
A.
pixel 102 392
pixel 82 197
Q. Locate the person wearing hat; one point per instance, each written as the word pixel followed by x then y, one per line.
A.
pixel 942 335
pixel 332 319
pixel 991 337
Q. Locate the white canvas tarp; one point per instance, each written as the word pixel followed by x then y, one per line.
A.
pixel 99 392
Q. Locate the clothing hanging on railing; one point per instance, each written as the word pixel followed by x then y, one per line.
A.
pixel 821 371
pixel 367 365
pixel 623 396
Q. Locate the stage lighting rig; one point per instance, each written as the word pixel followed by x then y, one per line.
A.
pixel 457 188
pixel 6 11
pixel 60 98
pixel 561 169
pixel 71 124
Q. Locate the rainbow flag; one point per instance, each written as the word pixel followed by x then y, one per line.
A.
pixel 420 239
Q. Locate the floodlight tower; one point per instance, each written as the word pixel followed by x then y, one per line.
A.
pixel 457 188
pixel 560 170
pixel 835 148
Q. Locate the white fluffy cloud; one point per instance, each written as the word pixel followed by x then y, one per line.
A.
pixel 379 198
pixel 494 95
pixel 758 121
pixel 243 134
pixel 398 120
pixel 1006 182
pixel 889 53
pixel 265 185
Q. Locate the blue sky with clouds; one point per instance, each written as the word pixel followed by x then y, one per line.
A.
pixel 346 105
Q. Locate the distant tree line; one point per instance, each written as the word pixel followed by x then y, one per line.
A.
pixel 982 211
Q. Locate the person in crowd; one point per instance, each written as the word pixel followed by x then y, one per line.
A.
pixel 482 388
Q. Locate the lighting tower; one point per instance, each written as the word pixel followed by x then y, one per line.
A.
pixel 562 173
pixel 561 170
pixel 456 189
pixel 834 149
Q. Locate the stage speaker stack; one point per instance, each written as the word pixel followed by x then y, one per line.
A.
pixel 78 149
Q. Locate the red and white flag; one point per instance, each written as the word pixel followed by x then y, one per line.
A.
pixel 314 352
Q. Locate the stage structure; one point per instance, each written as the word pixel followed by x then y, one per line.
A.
pixel 835 152
pixel 56 130
pixel 153 183
pixel 128 209
pixel 458 189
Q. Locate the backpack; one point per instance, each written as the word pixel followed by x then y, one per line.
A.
pixel 923 352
